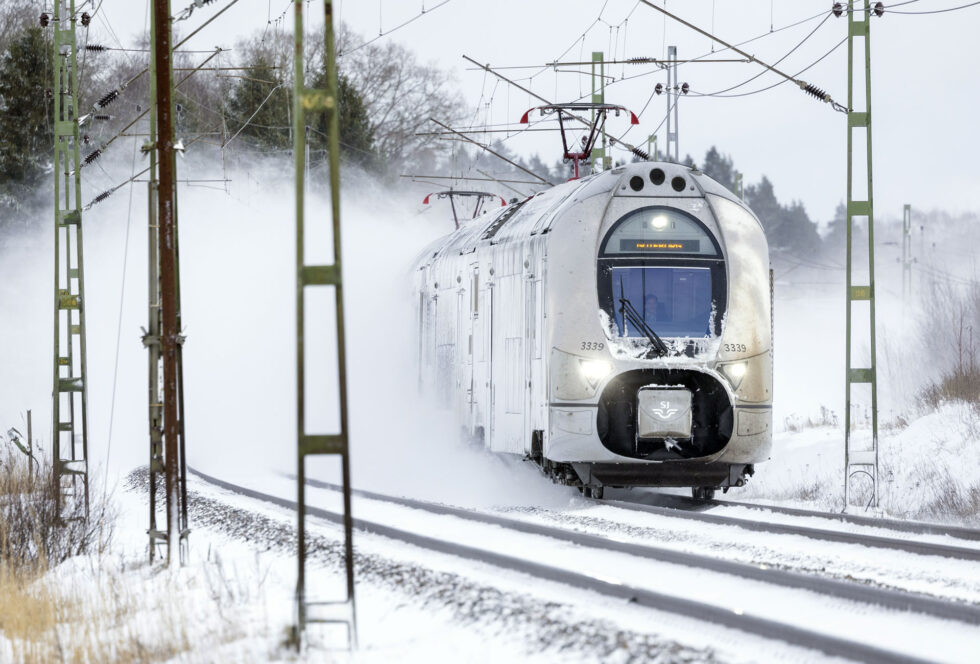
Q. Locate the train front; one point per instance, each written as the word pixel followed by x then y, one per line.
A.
pixel 661 364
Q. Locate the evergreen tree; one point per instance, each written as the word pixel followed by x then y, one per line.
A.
pixel 26 109
pixel 787 228
pixel 720 168
pixel 356 133
pixel 260 101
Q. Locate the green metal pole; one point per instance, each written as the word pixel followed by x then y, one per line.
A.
pixel 70 392
pixel 326 100
pixel 298 131
pixel 860 462
pixel 599 155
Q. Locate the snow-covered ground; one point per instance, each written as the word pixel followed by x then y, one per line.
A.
pixel 233 602
pixel 930 469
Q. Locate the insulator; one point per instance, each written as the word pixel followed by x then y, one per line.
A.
pixel 96 47
pixel 838 9
pixel 811 89
pixel 659 89
pixel 101 197
pixel 685 88
pixel 45 20
pixel 86 19
pixel 102 116
pixel 92 156
pixel 107 98
pixel 879 8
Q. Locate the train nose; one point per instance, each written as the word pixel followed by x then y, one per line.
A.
pixel 661 414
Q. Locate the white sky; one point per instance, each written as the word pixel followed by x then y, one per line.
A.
pixel 924 81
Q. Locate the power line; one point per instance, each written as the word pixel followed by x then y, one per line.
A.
pixel 933 11
pixel 788 53
pixel 397 27
pixel 809 88
pixel 778 83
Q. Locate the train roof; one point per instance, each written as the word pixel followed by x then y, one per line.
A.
pixel 535 214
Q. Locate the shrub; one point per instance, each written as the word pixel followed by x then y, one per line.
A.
pixel 32 532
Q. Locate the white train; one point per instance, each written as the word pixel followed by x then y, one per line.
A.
pixel 616 330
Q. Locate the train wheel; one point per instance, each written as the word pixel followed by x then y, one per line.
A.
pixel 702 494
pixel 594 492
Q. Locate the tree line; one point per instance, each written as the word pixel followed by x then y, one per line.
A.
pixel 242 100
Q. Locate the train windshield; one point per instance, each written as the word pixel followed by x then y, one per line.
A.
pixel 673 301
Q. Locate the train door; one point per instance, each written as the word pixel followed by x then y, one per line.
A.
pixel 489 329
pixel 464 361
pixel 509 370
pixel 530 333
pixel 472 354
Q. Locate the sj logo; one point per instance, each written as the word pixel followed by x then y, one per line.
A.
pixel 665 411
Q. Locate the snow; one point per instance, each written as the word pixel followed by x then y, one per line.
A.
pixel 233 601
pixel 929 469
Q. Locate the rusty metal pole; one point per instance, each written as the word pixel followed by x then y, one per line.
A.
pixel 168 281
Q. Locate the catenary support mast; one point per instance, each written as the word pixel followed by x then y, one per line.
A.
pixel 70 389
pixel 321 276
pixel 906 254
pixel 860 457
pixel 170 338
pixel 601 159
pixel 673 97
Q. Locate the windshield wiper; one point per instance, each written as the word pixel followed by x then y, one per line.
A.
pixel 633 317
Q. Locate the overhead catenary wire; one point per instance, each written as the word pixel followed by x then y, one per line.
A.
pixel 931 11
pixel 809 88
pixel 618 142
pixel 391 30
pixel 780 60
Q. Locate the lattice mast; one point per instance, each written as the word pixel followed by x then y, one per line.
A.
pixel 70 389
pixel 673 115
pixel 860 460
pixel 329 276
pixel 601 160
pixel 907 254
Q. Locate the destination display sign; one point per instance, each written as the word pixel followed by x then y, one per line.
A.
pixel 671 246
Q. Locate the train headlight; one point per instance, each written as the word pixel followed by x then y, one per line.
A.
pixel 735 372
pixel 574 377
pixel 659 222
pixel 594 370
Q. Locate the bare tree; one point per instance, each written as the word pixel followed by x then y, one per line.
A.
pixel 400 94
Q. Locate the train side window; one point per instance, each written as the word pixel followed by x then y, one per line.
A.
pixel 475 293
pixel 507 215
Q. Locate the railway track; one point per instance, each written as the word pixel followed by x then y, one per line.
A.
pixel 896 525
pixel 726 616
pixel 847 537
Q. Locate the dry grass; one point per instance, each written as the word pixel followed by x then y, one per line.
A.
pixel 35 531
pixel 107 614
pixel 63 600
pixel 796 422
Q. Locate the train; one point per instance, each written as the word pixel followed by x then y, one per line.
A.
pixel 616 330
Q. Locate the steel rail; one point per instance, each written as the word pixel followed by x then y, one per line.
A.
pixel 892 599
pixel 914 527
pixel 874 541
pixel 730 618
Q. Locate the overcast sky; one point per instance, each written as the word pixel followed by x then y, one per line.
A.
pixel 924 80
